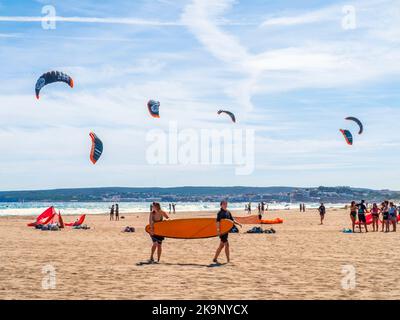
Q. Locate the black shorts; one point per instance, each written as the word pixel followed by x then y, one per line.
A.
pixel 361 217
pixel 353 214
pixel 224 238
pixel 157 239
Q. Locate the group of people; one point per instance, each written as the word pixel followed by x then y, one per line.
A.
pixel 385 214
pixel 157 215
pixel 387 209
pixel 172 207
pixel 262 206
pixel 114 212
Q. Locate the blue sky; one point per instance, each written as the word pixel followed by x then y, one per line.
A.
pixel 287 69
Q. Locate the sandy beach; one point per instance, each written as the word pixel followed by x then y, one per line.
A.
pixel 303 260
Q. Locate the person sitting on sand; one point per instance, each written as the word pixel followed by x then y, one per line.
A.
pixel 223 214
pixel 375 217
pixel 156 215
pixel 362 209
pixel 322 212
pixel 353 214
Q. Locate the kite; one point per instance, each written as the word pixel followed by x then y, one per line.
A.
pixel 51 77
pixel 154 108
pixel 347 136
pixel 97 148
pixel 229 114
pixel 358 122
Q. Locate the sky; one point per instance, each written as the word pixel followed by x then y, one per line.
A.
pixel 290 71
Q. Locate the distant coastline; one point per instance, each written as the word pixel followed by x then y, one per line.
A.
pixel 279 194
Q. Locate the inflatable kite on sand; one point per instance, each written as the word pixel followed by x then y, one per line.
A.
pixel 50 216
pixel 51 77
pixel 78 222
pixel 97 148
pixel 369 220
pixel 255 220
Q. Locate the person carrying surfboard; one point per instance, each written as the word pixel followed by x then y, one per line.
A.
pixel 223 214
pixel 156 215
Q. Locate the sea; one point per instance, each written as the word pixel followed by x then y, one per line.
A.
pixel 78 208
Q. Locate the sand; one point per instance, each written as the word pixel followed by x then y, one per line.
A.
pixel 303 260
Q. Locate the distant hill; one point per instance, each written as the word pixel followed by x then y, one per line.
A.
pixel 188 193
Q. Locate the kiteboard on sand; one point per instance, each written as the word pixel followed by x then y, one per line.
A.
pixel 196 228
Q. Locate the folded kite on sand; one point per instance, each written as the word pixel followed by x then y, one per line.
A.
pixel 78 222
pixel 255 220
pixel 369 220
pixel 50 216
pixel 44 218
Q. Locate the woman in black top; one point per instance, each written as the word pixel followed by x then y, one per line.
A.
pixel 223 214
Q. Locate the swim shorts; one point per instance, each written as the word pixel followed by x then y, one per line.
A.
pixel 157 239
pixel 361 217
pixel 224 238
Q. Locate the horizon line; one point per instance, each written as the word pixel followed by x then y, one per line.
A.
pixel 194 186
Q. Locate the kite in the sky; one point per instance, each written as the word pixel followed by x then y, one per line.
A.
pixel 50 77
pixel 347 136
pixel 358 122
pixel 154 108
pixel 97 148
pixel 229 114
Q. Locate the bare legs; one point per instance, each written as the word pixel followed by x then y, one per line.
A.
pixel 353 222
pixel 375 224
pixel 156 246
pixel 221 246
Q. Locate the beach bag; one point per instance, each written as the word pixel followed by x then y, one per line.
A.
pixel 234 230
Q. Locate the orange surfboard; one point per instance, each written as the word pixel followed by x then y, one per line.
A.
pixel 196 228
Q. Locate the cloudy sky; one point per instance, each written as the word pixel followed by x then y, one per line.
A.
pixel 289 70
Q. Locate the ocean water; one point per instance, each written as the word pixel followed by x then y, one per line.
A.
pixel 77 208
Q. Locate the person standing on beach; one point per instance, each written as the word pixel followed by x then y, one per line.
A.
pixel 362 209
pixel 170 207
pixel 173 207
pixel 116 212
pixel 223 214
pixel 375 217
pixel 156 215
pixel 385 216
pixel 393 216
pixel 353 214
pixel 322 212
pixel 112 213
pixel 301 207
pixel 304 207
